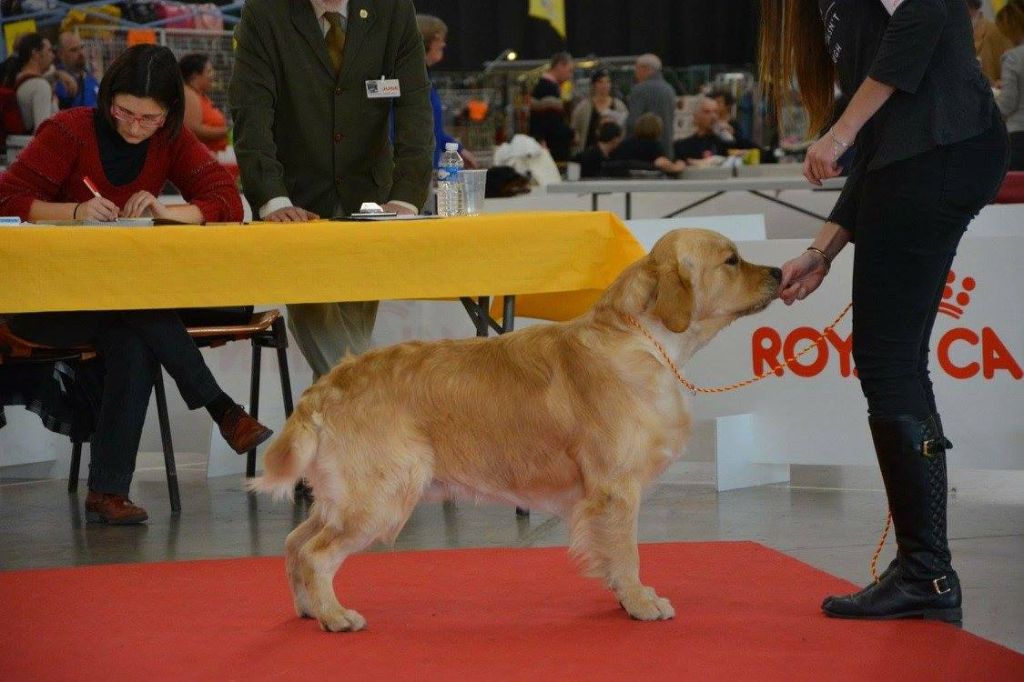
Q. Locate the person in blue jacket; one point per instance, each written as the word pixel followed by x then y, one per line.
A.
pixel 435 33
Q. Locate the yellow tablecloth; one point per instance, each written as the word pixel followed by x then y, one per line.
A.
pixel 555 263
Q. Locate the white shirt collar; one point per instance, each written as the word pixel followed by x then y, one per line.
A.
pixel 319 9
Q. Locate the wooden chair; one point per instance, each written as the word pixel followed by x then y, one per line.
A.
pixel 16 350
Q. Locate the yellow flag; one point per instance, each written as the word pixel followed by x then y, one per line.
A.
pixel 15 30
pixel 552 11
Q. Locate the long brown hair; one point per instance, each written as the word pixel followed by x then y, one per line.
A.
pixel 793 44
pixel 1010 21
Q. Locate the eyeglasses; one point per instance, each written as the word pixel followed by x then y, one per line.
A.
pixel 144 120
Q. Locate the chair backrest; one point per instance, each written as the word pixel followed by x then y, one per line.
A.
pixel 13 348
pixel 214 334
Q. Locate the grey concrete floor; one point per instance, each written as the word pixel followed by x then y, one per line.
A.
pixel 41 525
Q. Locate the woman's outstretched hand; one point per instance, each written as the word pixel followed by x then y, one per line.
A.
pixel 801 276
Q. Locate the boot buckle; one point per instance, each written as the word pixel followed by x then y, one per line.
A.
pixel 935 446
pixel 941 585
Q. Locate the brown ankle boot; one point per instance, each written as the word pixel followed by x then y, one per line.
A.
pixel 241 431
pixel 116 510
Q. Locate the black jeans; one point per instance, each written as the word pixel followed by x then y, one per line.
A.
pixel 911 217
pixel 132 345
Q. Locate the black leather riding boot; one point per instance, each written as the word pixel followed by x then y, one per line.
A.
pixel 921 583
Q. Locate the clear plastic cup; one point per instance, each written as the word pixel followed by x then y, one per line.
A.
pixel 476 186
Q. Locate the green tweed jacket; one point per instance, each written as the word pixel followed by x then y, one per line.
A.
pixel 303 133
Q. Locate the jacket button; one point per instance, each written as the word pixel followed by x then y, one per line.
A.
pixel 337 180
pixel 338 91
pixel 338 137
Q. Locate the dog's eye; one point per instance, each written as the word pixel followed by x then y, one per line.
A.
pixel 733 260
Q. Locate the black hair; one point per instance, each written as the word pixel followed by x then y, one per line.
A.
pixel 608 131
pixel 23 49
pixel 725 95
pixel 974 4
pixel 145 71
pixel 192 65
pixel 598 75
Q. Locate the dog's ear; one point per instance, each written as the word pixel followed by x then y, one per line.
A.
pixel 673 296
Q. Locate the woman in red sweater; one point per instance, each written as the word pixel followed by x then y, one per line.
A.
pixel 129 147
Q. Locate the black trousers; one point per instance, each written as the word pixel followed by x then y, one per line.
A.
pixel 911 217
pixel 131 344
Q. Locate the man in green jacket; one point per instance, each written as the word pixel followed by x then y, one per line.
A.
pixel 311 130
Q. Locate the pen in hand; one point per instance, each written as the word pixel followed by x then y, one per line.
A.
pixel 92 187
pixel 95 209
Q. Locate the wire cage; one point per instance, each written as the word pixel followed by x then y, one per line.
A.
pixel 470 116
pixel 103 43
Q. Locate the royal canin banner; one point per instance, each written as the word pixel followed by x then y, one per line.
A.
pixel 812 411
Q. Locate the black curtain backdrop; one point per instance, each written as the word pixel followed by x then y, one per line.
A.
pixel 681 32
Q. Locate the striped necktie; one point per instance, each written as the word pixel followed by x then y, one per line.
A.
pixel 335 38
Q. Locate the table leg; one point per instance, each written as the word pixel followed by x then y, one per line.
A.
pixel 629 205
pixel 796 208
pixel 593 201
pixel 673 214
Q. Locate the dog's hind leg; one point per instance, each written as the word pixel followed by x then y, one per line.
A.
pixel 368 514
pixel 604 529
pixel 316 563
pixel 296 539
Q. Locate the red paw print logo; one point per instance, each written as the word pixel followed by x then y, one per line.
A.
pixel 953 302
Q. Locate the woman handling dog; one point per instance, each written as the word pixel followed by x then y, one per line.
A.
pixel 129 146
pixel 930 152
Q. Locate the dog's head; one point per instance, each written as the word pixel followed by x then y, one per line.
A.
pixel 694 277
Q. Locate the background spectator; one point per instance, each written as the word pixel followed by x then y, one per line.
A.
pixel 547 111
pixel 435 34
pixel 645 146
pixel 728 128
pixel 591 159
pixel 71 61
pixel 598 107
pixel 1010 21
pixel 26 74
pixel 989 41
pixel 201 117
pixel 706 141
pixel 652 94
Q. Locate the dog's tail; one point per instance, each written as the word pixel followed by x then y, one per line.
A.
pixel 291 453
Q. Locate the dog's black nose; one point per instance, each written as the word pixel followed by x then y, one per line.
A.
pixel 776 273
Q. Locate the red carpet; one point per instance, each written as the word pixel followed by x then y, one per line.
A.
pixel 743 612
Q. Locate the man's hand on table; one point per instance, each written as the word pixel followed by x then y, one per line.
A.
pixel 290 214
pixel 400 209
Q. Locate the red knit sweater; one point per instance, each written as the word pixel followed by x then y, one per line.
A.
pixel 65 149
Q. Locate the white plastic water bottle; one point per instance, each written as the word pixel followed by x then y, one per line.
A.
pixel 451 193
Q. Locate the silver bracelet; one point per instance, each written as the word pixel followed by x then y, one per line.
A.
pixel 837 141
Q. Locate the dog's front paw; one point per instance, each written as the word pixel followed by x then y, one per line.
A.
pixel 645 604
pixel 342 620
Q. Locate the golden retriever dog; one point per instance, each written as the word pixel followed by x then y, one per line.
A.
pixel 573 418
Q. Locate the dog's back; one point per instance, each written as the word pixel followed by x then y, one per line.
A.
pixel 469 407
